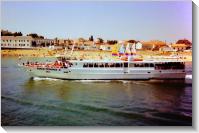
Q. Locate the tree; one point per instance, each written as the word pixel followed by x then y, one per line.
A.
pixel 132 41
pixel 17 34
pixel 6 33
pixel 111 41
pixel 42 37
pixel 91 38
pixel 33 35
pixel 100 40
pixel 184 41
pixel 34 44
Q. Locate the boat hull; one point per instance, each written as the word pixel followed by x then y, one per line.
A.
pixel 100 74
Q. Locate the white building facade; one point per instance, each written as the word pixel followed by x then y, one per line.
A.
pixel 16 42
pixel 44 42
pixel 24 42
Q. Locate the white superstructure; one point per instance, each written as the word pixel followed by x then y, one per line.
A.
pixel 111 70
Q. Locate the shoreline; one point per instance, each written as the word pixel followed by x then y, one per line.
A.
pixel 90 54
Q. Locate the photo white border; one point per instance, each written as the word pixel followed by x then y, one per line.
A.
pixel 141 129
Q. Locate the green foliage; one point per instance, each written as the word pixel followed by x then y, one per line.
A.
pixel 112 41
pixel 8 33
pixel 34 35
pixel 91 38
pixel 101 40
pixel 132 41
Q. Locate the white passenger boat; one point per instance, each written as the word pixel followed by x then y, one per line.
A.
pixel 107 70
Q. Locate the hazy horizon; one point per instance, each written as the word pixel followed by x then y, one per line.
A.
pixel 166 21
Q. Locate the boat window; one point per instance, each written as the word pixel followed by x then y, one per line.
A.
pixel 170 65
pixel 85 65
pixel 111 64
pixel 139 65
pixel 125 64
pixel 146 65
pixel 151 65
pixel 121 64
pixel 90 65
pixel 95 65
pixel 101 65
pixel 106 65
pixel 117 65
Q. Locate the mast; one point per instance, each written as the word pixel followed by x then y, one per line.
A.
pixel 72 50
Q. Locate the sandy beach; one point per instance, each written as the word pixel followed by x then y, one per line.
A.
pixel 87 54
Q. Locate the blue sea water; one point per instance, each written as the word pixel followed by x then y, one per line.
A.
pixel 27 101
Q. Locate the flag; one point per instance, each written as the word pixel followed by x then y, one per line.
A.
pixel 128 50
pixel 133 49
pixel 122 50
pixel 115 50
pixel 72 49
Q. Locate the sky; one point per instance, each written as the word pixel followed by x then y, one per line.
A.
pixel 166 21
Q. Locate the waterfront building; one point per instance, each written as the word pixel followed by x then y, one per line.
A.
pixel 90 45
pixel 106 47
pixel 24 42
pixel 167 49
pixel 40 42
pixel 17 42
pixel 179 47
pixel 152 45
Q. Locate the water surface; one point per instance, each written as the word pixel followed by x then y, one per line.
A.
pixel 37 101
